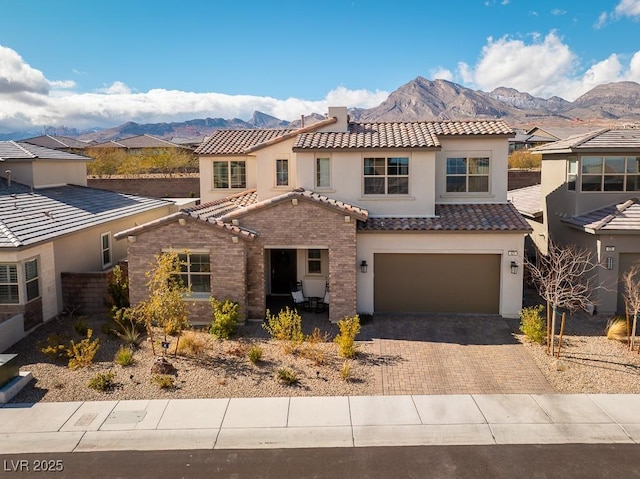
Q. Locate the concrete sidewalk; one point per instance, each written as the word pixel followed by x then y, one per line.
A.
pixel 301 422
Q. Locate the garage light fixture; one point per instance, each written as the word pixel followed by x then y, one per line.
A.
pixel 363 266
pixel 514 267
pixel 609 262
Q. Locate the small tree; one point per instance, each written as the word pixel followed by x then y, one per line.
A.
pixel 165 306
pixel 631 284
pixel 564 278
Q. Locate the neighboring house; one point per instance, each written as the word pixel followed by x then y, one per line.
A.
pixel 58 143
pixel 523 140
pixel 52 225
pixel 589 197
pixel 141 143
pixel 396 217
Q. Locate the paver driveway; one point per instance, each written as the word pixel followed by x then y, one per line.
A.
pixel 437 354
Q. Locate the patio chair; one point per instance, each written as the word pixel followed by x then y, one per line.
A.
pixel 299 300
pixel 324 304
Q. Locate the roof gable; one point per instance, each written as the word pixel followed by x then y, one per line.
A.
pixel 627 139
pixel 621 217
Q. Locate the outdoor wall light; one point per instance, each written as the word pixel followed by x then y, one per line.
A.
pixel 609 262
pixel 514 267
pixel 131 239
pixel 364 266
pixel 182 221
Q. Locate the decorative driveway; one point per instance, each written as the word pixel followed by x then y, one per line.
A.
pixel 439 354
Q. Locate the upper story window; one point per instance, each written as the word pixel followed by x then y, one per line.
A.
pixel 196 271
pixel 610 173
pixel 105 244
pixel 323 172
pixel 9 284
pixel 282 172
pixel 229 174
pixel 314 261
pixel 386 176
pixel 572 174
pixel 467 175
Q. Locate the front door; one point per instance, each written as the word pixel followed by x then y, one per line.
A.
pixel 283 270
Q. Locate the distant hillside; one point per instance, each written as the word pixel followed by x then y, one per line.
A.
pixel 422 99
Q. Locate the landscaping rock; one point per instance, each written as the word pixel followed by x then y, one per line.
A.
pixel 162 366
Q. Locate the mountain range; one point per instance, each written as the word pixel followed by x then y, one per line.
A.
pixel 422 99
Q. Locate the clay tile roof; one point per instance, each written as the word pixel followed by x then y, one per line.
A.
pixel 147 141
pixel 235 142
pixel 527 200
pixel 456 217
pixel 234 206
pixel 416 134
pixel 622 217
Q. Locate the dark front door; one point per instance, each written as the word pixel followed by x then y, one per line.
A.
pixel 283 270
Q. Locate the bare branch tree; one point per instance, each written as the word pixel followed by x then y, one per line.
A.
pixel 564 277
pixel 631 284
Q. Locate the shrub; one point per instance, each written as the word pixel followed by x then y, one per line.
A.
pixel 255 353
pixel 163 381
pixel 118 289
pixel 225 318
pixel 533 325
pixel 346 338
pixel 617 329
pixel 81 354
pixel 124 356
pixel 190 344
pixel 54 347
pixel 286 326
pixel 81 327
pixel 313 350
pixel 102 381
pixel 525 159
pixel 345 370
pixel 287 376
pixel 126 327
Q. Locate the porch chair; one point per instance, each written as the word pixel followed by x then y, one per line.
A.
pixel 324 304
pixel 299 300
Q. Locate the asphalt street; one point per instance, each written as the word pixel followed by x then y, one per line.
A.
pixel 567 461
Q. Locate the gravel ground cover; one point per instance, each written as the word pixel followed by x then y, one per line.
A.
pixel 589 363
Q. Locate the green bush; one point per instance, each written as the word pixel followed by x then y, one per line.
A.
pixel 345 371
pixel 346 338
pixel 255 353
pixel 191 344
pixel 124 356
pixel 225 318
pixel 163 381
pixel 102 381
pixel 286 326
pixel 54 347
pixel 81 354
pixel 287 376
pixel 80 326
pixel 533 325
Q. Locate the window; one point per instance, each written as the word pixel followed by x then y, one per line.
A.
pixel 314 261
pixel 610 173
pixel 572 174
pixel 9 284
pixel 323 173
pixel 31 279
pixel 105 243
pixel 467 175
pixel 388 176
pixel 282 172
pixel 229 174
pixel 196 271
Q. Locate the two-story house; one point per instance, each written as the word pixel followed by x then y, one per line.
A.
pixel 54 228
pixel 589 197
pixel 395 217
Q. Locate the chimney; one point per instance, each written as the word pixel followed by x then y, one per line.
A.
pixel 301 121
pixel 340 113
pixel 8 173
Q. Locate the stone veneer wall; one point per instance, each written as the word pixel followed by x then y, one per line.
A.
pixel 86 292
pixel 228 263
pixel 303 225
pixel 32 313
pixel 156 187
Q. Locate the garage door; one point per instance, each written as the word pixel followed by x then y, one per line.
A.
pixel 626 261
pixel 438 283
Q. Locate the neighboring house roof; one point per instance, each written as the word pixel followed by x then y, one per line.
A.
pixel 243 142
pixel 455 217
pixel 18 150
pixel 527 200
pixel 31 216
pixel 416 134
pixel 56 142
pixel 139 141
pixel 606 139
pixel 621 217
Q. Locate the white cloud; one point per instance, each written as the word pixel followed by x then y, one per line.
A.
pixel 29 101
pixel 558 11
pixel 441 73
pixel 628 8
pixel 544 67
pixel 602 20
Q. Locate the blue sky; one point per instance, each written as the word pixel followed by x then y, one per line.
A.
pixel 101 63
